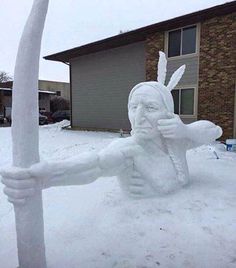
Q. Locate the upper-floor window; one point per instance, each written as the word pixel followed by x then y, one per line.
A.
pixel 183 101
pixel 182 41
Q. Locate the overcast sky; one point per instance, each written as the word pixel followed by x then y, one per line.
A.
pixel 71 23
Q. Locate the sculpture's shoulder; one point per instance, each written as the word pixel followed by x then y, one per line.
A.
pixel 121 142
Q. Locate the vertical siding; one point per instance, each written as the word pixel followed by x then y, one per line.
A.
pixel 101 83
pixel 190 76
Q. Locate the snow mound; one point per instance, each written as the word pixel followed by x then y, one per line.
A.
pixel 57 126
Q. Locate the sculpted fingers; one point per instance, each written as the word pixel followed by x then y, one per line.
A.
pixel 137 182
pixel 168 135
pixel 16 201
pixel 18 194
pixel 167 122
pixel 19 184
pixel 172 128
pixel 15 173
pixel 167 131
pixel 134 189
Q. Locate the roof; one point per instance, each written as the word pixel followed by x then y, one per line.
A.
pixel 7 84
pixel 141 33
pixel 40 91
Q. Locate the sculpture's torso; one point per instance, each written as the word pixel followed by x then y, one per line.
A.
pixel 150 175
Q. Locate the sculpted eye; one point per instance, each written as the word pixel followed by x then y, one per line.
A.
pixel 152 108
pixel 133 107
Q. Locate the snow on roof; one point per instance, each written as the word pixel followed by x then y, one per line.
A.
pixel 40 91
pixel 47 92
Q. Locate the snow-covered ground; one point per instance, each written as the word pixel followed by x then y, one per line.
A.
pixel 95 226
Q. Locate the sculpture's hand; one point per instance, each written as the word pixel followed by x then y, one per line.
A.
pixel 19 184
pixel 113 161
pixel 173 127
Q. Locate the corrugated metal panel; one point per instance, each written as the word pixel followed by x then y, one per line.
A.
pixel 190 76
pixel 101 83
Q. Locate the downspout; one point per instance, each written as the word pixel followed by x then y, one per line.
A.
pixel 70 80
pixel 234 134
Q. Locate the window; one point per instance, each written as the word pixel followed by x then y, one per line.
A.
pixel 182 41
pixel 58 93
pixel 183 101
pixel 7 93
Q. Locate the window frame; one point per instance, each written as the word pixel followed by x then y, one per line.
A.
pixel 181 55
pixel 195 96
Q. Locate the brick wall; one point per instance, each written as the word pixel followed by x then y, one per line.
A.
pixel 217 72
pixel 154 43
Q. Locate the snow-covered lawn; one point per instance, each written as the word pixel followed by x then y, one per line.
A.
pixel 95 226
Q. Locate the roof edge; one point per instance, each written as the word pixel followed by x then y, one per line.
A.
pixel 140 34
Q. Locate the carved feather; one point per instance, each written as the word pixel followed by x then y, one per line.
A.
pixel 176 77
pixel 161 68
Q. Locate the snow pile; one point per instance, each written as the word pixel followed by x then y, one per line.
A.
pixel 96 226
pixel 58 126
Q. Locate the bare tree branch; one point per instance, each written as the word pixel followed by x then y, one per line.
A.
pixel 4 77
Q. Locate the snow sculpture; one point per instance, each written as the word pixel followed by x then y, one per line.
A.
pixel 150 163
pixel 29 218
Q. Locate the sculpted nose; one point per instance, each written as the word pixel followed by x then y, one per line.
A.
pixel 139 116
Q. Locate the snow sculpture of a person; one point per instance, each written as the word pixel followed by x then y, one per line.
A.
pixel 149 163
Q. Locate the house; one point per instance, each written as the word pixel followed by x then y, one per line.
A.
pixel 45 95
pixel 102 73
pixel 60 88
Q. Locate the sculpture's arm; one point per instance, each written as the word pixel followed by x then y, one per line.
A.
pixel 202 132
pixel 82 169
pixel 197 133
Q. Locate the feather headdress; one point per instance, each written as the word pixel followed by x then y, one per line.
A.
pixel 159 85
pixel 161 72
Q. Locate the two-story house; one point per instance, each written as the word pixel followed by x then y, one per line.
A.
pixel 102 73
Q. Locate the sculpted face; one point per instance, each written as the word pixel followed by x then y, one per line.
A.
pixel 146 107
